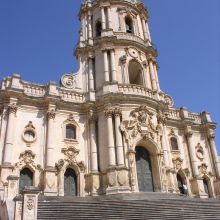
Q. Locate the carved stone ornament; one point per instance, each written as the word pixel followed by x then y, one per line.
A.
pixel 30 204
pixel 161 117
pixel 172 132
pixel 51 114
pixel 71 154
pixel 92 116
pixel 203 169
pixel 133 53
pixel 29 134
pixel 112 179
pixel 199 152
pixel 141 123
pixel 27 158
pixel 12 108
pixel 169 101
pixel 177 162
pixel 69 81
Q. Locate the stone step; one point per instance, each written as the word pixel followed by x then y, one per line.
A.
pixel 128 207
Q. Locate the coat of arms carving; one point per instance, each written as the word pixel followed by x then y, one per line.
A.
pixel 141 124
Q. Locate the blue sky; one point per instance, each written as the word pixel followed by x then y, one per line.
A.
pixel 37 40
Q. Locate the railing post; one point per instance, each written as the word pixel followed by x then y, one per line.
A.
pixel 18 208
pixel 30 203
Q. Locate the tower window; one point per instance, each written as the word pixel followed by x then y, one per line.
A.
pixel 174 143
pixel 135 72
pixel 129 24
pixel 70 132
pixel 98 28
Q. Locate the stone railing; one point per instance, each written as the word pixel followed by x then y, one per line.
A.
pixel 173 114
pixel 131 37
pixel 195 117
pixel 34 90
pixel 71 96
pixel 135 90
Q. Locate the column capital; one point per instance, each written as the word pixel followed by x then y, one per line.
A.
pixel 108 112
pixel 51 114
pixel 188 131
pixel 161 117
pixel 12 108
pixel 152 59
pixel 92 116
pixel 211 134
pixel 117 112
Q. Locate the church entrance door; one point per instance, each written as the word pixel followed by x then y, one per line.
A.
pixel 26 179
pixel 70 183
pixel 144 171
pixel 206 187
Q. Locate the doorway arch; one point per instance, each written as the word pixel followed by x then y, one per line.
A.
pixel 70 182
pixel 26 179
pixel 144 170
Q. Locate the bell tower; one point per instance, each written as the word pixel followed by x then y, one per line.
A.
pixel 115 47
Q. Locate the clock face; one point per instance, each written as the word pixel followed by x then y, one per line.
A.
pixel 133 52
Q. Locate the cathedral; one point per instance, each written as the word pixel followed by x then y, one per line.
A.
pixel 108 128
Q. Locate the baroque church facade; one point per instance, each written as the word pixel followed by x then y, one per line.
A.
pixel 109 128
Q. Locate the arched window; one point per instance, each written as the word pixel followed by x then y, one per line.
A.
pixel 98 28
pixel 174 143
pixel 135 72
pixel 26 179
pixel 129 24
pixel 70 131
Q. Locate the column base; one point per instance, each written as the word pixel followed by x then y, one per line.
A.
pixel 50 182
pixel 216 186
pixel 118 180
pixel 92 183
pixel 5 170
pixel 198 188
pixel 91 96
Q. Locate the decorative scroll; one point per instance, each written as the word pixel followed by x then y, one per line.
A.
pixel 69 81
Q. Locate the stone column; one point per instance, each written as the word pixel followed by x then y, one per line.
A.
pixel 113 66
pixel 103 18
pixel 152 74
pixel 106 65
pixel 90 28
pixel 211 138
pixel 8 151
pixel 120 20
pixel 50 137
pixel 93 145
pixel 110 139
pixel 165 153
pixel 145 33
pixel 189 137
pixel 148 82
pixel 91 75
pixel 118 137
pixel 109 18
pixel 148 32
pixel 156 75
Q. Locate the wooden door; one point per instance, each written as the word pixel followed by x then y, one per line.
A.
pixel 26 179
pixel 70 183
pixel 144 171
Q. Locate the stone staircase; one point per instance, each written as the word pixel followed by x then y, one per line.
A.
pixel 141 206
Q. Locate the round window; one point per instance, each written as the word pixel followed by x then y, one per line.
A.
pixel 29 136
